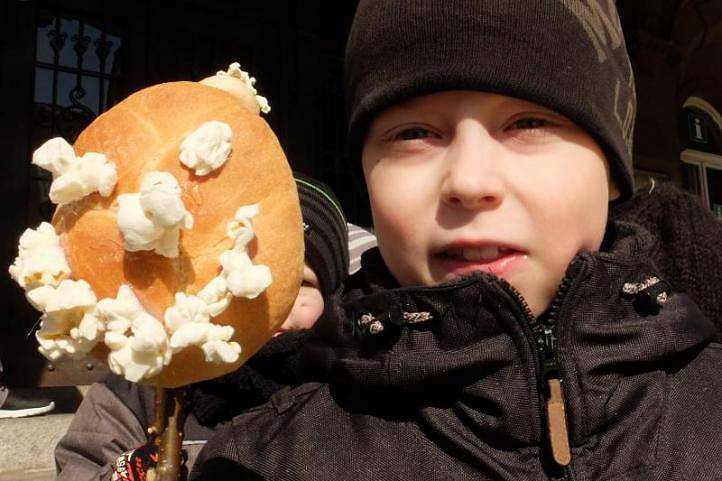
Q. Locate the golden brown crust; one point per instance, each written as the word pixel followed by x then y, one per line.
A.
pixel 144 133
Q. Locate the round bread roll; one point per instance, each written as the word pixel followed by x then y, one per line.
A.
pixel 143 133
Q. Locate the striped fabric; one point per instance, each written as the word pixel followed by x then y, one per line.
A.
pixel 359 241
pixel 324 232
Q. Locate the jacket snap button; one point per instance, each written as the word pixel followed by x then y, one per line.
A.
pixel 649 295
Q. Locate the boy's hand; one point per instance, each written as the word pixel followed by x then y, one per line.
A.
pixel 137 464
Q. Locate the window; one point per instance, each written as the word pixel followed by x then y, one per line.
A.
pixel 701 128
pixel 75 65
pixel 714 189
pixel 702 176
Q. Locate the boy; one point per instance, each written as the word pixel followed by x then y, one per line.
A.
pixel 115 414
pixel 503 329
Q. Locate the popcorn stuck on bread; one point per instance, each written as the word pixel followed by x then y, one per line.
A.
pixel 75 177
pixel 174 274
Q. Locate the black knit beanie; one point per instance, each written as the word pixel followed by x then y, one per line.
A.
pixel 325 232
pixel 568 55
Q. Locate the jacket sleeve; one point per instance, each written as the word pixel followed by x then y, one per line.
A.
pixel 103 427
pixel 219 460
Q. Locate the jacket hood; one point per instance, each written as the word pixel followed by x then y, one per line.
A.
pixel 470 344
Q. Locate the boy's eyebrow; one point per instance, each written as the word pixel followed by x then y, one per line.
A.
pixel 392 116
pixel 516 103
pixel 498 103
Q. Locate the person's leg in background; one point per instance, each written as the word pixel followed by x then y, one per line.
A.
pixel 13 404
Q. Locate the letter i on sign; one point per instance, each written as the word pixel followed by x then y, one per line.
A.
pixel 698 131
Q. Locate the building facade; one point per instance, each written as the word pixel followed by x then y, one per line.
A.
pixel 64 62
pixel 676 50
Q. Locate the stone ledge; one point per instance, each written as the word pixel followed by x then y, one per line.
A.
pixel 28 475
pixel 28 443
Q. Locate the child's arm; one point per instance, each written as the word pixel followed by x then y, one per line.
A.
pixel 102 429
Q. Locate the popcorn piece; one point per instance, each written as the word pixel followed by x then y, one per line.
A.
pixel 138 341
pixel 75 177
pixel 187 309
pixel 40 297
pixel 263 104
pixel 55 155
pixel 240 229
pixel 213 339
pixel 41 260
pixel 160 196
pixel 67 296
pixel 219 351
pixel 234 70
pixel 119 313
pixel 141 355
pixel 152 218
pixel 216 296
pixel 244 279
pixel 207 148
pixel 70 325
pixel 239 276
pixel 189 321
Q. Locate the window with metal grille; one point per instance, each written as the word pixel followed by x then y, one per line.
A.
pixel 75 65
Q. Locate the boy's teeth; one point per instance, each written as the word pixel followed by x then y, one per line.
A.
pixel 483 254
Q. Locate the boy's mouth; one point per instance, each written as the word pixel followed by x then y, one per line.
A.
pixel 489 253
pixel 459 261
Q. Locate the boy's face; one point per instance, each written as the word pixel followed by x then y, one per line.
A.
pixel 464 181
pixel 308 306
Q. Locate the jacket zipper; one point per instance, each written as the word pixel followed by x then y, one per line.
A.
pixel 550 378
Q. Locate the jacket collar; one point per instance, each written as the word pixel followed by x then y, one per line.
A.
pixel 470 343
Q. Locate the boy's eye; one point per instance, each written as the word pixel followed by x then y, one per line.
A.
pixel 530 123
pixel 413 134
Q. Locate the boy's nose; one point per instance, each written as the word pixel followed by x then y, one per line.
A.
pixel 473 178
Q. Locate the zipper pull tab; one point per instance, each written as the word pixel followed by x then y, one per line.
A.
pixel 555 407
pixel 557 423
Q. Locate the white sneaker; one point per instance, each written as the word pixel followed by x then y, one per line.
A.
pixel 17 405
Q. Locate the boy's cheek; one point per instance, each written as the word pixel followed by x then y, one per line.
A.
pixel 613 191
pixel 400 233
pixel 306 310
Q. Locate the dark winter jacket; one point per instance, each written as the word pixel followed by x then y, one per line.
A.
pixel 689 247
pixel 454 382
pixel 274 366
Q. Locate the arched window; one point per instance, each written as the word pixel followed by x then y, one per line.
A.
pixel 701 126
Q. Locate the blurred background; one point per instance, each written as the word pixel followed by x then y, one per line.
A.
pixel 62 63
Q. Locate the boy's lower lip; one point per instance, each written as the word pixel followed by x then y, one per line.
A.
pixel 501 267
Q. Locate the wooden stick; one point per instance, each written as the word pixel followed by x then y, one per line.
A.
pixel 167 432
